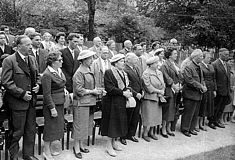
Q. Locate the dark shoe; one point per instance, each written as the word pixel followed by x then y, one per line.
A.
pixel 77 155
pixel 153 136
pixel 26 157
pixel 132 138
pixel 197 130
pixel 146 138
pixel 219 125
pixel 164 135
pixel 84 150
pixel 211 125
pixel 193 132
pixel 123 141
pixel 186 133
pixel 202 128
pixel 171 134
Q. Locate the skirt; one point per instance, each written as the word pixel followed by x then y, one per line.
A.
pixel 169 110
pixel 53 126
pixel 207 105
pixel 82 122
pixel 151 113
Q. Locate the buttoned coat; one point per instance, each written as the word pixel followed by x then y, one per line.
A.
pixel 17 78
pixel 98 71
pixel 69 66
pixel 193 82
pixel 222 78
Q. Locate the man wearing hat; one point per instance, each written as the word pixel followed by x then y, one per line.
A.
pixel 193 90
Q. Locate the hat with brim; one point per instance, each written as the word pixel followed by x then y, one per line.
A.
pixel 85 54
pixel 152 60
pixel 117 57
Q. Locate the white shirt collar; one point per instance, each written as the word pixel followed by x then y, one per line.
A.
pixel 22 56
pixel 3 47
pixel 204 63
pixel 52 70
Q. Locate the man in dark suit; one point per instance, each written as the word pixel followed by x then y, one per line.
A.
pixel 9 38
pixel 5 50
pixel 127 47
pixel 222 74
pixel 137 88
pixel 192 93
pixel 70 62
pixel 21 80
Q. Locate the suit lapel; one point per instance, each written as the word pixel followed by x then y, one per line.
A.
pixel 69 55
pixel 134 73
pixel 22 64
pixel 221 66
pixel 100 67
pixel 171 66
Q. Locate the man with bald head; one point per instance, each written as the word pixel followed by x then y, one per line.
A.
pixel 222 76
pixel 134 76
pixel 21 80
pixel 127 47
pixel 96 47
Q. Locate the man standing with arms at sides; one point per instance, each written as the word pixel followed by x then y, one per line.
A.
pixel 96 47
pixel 70 62
pixel 127 47
pixel 222 76
pixel 138 50
pixel 80 43
pixel 137 88
pixel 21 80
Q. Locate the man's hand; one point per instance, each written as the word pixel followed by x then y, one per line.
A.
pixel 27 96
pixel 204 89
pixel 127 94
pixel 54 112
pixel 36 88
pixel 138 96
pixel 214 93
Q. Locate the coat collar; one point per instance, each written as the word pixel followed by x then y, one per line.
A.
pixel 22 64
pixel 171 66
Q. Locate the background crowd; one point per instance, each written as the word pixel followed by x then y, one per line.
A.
pixel 133 84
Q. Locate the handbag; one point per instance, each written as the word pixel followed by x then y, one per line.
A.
pixel 131 103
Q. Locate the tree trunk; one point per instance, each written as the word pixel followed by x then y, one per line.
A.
pixel 91 22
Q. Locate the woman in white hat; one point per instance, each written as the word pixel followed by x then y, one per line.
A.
pixel 84 94
pixel 114 118
pixel 154 91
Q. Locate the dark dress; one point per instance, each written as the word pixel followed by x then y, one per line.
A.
pixel 207 104
pixel 114 116
pixel 53 96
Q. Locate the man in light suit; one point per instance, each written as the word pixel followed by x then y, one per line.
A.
pixel 193 89
pixel 21 80
pixel 127 47
pixel 5 50
pixel 96 47
pixel 99 66
pixel 39 53
pixel 222 74
pixel 70 62
pixel 137 88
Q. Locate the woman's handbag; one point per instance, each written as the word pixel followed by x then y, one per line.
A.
pixel 131 103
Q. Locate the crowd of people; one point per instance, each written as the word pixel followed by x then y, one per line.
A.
pixel 130 83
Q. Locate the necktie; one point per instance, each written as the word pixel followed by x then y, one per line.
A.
pixel 37 56
pixel 225 66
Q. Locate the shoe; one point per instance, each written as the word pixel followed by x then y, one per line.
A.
pixel 153 136
pixel 84 150
pixel 202 128
pixel 132 138
pixel 219 125
pixel 123 141
pixel 116 147
pixel 111 152
pixel 211 125
pixel 186 133
pixel 171 134
pixel 197 130
pixel 193 132
pixel 77 155
pixel 164 135
pixel 146 138
pixel 26 157
pixel 55 153
pixel 47 157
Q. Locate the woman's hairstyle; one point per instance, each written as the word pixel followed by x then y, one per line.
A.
pixel 110 42
pixel 154 44
pixel 168 52
pixel 58 35
pixel 52 57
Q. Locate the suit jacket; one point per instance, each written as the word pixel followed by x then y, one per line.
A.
pixel 171 76
pixel 53 89
pixel 17 78
pixel 8 50
pixel 193 82
pixel 69 66
pixel 135 79
pixel 222 78
pixel 124 51
pixel 42 53
pixel 152 80
pixel 98 71
pixel 209 77
pixel 96 50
